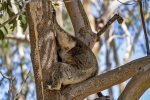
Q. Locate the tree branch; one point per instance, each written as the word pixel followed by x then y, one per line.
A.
pixel 19 13
pixel 137 85
pixel 106 80
pixel 110 9
pixel 7 77
pixel 144 28
pixel 116 16
pixel 14 16
pixel 19 39
pixel 80 23
pixel 135 39
pixel 16 96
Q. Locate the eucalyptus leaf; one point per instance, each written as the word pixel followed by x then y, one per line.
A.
pixel 6 29
pixel 1 35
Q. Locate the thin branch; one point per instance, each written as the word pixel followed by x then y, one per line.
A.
pixel 115 36
pixel 20 39
pixel 11 79
pixel 96 5
pixel 144 27
pixel 10 87
pixel 21 87
pixel 19 13
pixel 127 3
pixel 135 39
pixel 110 10
pixel 7 77
pixel 116 16
pixel 14 16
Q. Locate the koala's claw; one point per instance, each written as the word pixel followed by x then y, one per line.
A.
pixel 48 87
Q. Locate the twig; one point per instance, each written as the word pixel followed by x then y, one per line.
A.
pixel 14 16
pixel 127 3
pixel 116 16
pixel 21 88
pixel 10 85
pixel 144 27
pixel 7 77
pixel 19 13
pixel 115 36
pixel 21 39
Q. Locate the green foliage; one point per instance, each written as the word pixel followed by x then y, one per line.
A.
pixel 6 12
pixel 23 21
pixel 55 5
pixel 1 35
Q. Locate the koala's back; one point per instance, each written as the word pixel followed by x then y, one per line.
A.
pixel 83 63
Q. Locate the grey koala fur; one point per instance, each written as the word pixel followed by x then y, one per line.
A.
pixel 78 61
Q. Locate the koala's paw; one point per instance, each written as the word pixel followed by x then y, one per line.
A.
pixel 50 87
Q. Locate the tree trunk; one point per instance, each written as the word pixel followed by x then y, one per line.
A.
pixel 43 46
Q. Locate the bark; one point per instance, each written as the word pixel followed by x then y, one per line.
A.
pixel 43 47
pixel 93 85
pixel 95 49
pixel 137 85
pixel 81 23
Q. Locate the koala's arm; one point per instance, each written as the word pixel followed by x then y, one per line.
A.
pixel 78 61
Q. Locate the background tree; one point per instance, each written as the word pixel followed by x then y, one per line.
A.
pixel 15 50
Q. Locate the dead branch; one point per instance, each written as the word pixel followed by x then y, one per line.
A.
pixel 115 17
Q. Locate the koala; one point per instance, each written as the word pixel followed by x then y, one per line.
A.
pixel 78 62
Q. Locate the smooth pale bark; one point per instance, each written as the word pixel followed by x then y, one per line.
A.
pixel 80 23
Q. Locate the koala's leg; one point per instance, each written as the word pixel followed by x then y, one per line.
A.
pixel 55 81
pixel 61 73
